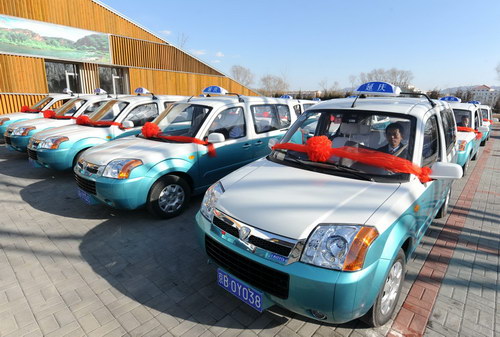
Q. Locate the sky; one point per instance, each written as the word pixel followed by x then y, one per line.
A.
pixel 444 43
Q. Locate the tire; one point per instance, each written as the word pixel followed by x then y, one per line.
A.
pixel 387 299
pixel 443 211
pixel 465 168
pixel 483 143
pixel 475 155
pixel 168 197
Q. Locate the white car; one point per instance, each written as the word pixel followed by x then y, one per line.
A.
pixel 325 224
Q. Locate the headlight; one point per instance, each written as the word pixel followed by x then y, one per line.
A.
pixel 3 120
pixel 22 131
pixel 52 142
pixel 461 145
pixel 120 168
pixel 339 247
pixel 210 199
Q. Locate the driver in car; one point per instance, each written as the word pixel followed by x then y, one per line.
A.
pixel 394 134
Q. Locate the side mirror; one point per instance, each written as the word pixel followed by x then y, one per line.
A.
pixel 272 142
pixel 216 138
pixel 442 170
pixel 127 124
pixel 483 129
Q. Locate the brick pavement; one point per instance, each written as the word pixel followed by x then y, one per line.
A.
pixel 67 269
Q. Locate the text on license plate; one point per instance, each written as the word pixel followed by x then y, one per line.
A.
pixel 85 197
pixel 248 295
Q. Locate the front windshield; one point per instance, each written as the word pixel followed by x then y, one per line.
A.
pixel 484 112
pixel 70 107
pixel 384 132
pixel 40 104
pixel 93 107
pixel 182 119
pixel 463 117
pixel 108 111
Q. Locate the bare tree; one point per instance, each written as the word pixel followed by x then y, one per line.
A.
pixel 273 85
pixel 498 71
pixel 434 93
pixel 353 79
pixel 242 75
pixel 401 78
pixel 182 40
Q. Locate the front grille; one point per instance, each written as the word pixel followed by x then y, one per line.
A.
pixel 92 168
pixel 258 275
pixel 32 154
pixel 225 227
pixel 269 245
pixel 254 240
pixel 7 140
pixel 86 185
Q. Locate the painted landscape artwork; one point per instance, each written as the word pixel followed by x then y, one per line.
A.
pixel 28 37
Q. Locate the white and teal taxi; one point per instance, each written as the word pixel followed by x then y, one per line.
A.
pixel 59 148
pixel 34 111
pixel 325 224
pixel 487 116
pixel 186 149
pixel 470 129
pixel 18 134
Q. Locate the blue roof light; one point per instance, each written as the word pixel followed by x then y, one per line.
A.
pixel 317 99
pixel 99 91
pixel 474 102
pixel 141 90
pixel 286 96
pixel 214 89
pixel 450 99
pixel 378 88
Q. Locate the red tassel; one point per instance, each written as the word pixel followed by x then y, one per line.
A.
pixel 318 148
pixel 25 108
pixel 83 120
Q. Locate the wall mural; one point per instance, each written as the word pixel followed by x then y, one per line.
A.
pixel 35 38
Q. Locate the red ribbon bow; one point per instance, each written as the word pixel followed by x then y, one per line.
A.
pixel 319 149
pixel 85 120
pixel 52 114
pixel 26 108
pixel 479 135
pixel 152 130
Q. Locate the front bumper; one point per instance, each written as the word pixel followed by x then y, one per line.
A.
pixel 129 193
pixel 19 143
pixel 341 296
pixel 57 159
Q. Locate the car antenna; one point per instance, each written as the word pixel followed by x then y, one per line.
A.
pixel 359 96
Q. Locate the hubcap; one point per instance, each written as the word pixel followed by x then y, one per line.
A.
pixel 391 288
pixel 171 198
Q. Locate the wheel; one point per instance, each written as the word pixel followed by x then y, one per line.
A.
pixel 475 155
pixel 443 211
pixel 483 143
pixel 388 297
pixel 168 197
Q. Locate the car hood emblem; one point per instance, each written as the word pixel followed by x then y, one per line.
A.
pixel 243 233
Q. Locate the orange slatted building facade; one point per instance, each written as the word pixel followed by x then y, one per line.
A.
pixel 95 47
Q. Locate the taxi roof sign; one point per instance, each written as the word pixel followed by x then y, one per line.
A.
pixel 99 91
pixel 378 88
pixel 317 99
pixel 141 90
pixel 474 102
pixel 286 96
pixel 214 89
pixel 450 99
pixel 67 91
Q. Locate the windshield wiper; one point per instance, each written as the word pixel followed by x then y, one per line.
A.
pixel 347 169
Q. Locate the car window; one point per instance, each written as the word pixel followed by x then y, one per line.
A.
pixel 230 122
pixel 430 151
pixel 449 129
pixel 183 119
pixel 93 107
pixel 477 119
pixel 485 113
pixel 142 114
pixel 297 109
pixel 109 111
pixel 70 107
pixel 42 103
pixel 463 117
pixel 269 117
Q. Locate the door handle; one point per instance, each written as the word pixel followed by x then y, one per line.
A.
pixel 259 142
pixel 246 146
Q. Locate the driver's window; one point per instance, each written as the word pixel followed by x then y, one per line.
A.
pixel 477 122
pixel 430 153
pixel 230 123
pixel 142 114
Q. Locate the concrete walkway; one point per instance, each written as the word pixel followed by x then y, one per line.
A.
pixel 68 269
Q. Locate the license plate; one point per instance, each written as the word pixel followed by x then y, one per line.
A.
pixel 86 197
pixel 245 293
pixel 34 163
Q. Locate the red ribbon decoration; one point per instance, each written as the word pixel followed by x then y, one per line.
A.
pixel 319 149
pixel 26 108
pixel 488 120
pixel 52 114
pixel 479 135
pixel 85 120
pixel 152 130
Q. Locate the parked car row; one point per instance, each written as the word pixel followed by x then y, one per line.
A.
pixel 315 210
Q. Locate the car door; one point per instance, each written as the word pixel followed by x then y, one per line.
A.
pixel 434 190
pixel 269 121
pixel 234 152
